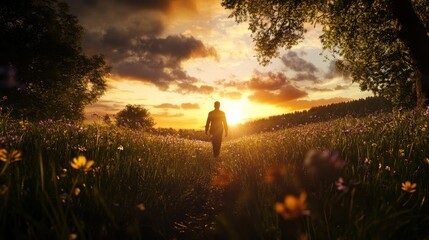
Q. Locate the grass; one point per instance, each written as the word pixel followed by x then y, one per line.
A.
pixel 145 186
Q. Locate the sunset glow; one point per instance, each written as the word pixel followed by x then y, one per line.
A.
pixel 198 56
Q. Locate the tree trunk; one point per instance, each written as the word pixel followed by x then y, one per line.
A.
pixel 413 34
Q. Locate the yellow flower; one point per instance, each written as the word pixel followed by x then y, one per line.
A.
pixel 401 152
pixel 76 191
pixel 141 207
pixel 80 163
pixel 409 187
pixel 292 207
pixel 10 157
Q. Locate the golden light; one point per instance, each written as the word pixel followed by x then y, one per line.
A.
pixel 234 117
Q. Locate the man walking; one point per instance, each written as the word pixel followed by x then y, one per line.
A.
pixel 216 123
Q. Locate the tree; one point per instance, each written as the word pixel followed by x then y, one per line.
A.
pixel 134 117
pixel 382 43
pixel 41 42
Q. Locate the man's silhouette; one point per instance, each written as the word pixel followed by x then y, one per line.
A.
pixel 216 123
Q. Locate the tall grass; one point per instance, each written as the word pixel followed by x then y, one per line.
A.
pixel 144 186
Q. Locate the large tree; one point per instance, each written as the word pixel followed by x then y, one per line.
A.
pixel 382 43
pixel 40 43
pixel 134 117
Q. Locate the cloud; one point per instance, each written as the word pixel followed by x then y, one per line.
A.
pixel 167 115
pixel 131 35
pixel 293 61
pixel 155 60
pixel 286 93
pixel 267 81
pixel 306 77
pixel 333 71
pixel 231 95
pixel 240 85
pixel 338 87
pixel 188 106
pixel 105 106
pixel 167 106
pixel 186 87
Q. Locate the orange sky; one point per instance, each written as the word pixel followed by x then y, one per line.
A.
pixel 177 57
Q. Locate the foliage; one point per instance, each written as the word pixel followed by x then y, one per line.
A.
pixel 365 35
pixel 164 187
pixel 54 79
pixel 134 117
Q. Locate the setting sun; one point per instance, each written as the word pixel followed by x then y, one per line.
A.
pixel 234 117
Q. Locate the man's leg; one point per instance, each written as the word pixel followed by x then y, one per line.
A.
pixel 216 141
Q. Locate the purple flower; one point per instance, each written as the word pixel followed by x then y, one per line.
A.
pixel 340 183
pixel 4 98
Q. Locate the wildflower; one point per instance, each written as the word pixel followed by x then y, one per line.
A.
pixel 4 98
pixel 401 152
pixel 80 163
pixel 72 236
pixel 387 168
pixel 292 207
pixel 374 145
pixel 76 191
pixel 426 160
pixel 10 157
pixel 409 187
pixel 367 161
pixel 274 173
pixel 4 189
pixel 121 148
pixel 141 207
pixel 223 179
pixel 341 186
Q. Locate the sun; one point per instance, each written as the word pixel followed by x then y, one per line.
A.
pixel 234 117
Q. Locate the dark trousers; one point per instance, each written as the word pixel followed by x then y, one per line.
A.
pixel 216 142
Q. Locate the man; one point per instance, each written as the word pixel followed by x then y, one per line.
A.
pixel 216 122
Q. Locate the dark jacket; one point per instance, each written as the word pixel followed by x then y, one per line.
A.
pixel 216 121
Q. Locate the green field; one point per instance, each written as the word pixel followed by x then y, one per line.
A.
pixel 144 186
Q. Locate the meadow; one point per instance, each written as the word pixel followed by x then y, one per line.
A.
pixel 351 178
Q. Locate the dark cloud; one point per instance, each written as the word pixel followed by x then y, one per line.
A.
pixel 167 106
pixel 267 81
pixel 82 7
pixel 338 87
pixel 155 60
pixel 186 87
pixel 333 71
pixel 293 61
pixel 286 93
pixel 130 34
pixel 188 106
pixel 167 115
pixel 318 89
pixel 231 95
pixel 306 77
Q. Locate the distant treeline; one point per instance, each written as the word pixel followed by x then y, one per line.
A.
pixel 354 108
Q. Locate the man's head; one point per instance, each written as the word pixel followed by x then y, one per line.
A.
pixel 217 105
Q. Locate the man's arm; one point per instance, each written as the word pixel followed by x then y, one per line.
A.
pixel 208 123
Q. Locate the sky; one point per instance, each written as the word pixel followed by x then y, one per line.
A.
pixel 176 57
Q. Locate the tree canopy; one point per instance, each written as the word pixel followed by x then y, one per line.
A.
pixel 52 77
pixel 382 43
pixel 134 117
